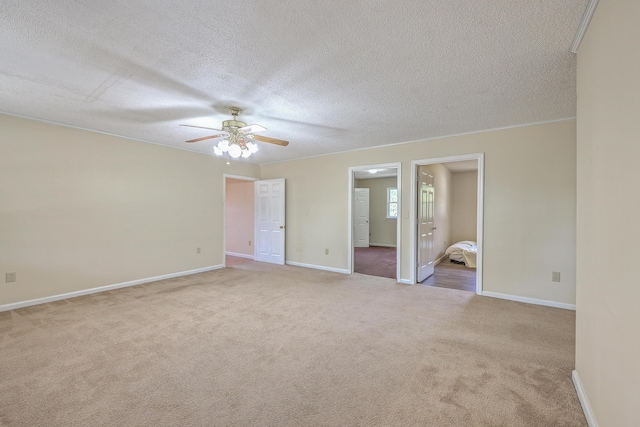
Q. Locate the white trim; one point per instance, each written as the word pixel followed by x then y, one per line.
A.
pixel 352 170
pixel 434 138
pixel 74 294
pixel 530 300
pixel 439 260
pixel 66 125
pixel 413 211
pixel 239 177
pixel 239 255
pixel 51 122
pixel 584 24
pixel 317 267
pixel 405 282
pixel 584 402
pixel 383 245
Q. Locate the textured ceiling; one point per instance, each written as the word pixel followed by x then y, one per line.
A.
pixel 327 75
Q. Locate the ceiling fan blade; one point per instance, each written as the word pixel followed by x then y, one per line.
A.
pixel 205 138
pixel 252 128
pixel 202 127
pixel 271 140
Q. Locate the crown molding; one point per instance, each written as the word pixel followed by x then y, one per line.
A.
pixel 584 24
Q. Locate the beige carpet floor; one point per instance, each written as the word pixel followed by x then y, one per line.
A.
pixel 263 345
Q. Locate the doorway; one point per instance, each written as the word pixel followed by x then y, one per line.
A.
pixel 375 220
pixel 239 214
pixel 436 239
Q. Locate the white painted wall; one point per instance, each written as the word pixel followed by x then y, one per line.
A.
pixel 608 235
pixel 239 216
pixel 524 241
pixel 464 204
pixel 80 210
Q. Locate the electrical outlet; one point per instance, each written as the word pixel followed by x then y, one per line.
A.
pixel 555 276
pixel 326 251
pixel 10 277
pixel 197 250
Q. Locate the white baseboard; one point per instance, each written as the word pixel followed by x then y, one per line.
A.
pixel 318 267
pixel 530 300
pixel 439 260
pixel 384 245
pixel 582 397
pixel 239 255
pixel 405 281
pixel 15 305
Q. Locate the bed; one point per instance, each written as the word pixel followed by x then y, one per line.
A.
pixel 465 252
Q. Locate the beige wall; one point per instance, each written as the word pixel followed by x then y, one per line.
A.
pixel 524 241
pixel 608 271
pixel 80 210
pixel 383 230
pixel 239 216
pixel 464 206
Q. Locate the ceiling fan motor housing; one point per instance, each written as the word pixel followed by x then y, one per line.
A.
pixel 233 124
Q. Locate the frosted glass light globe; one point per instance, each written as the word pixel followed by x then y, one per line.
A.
pixel 235 151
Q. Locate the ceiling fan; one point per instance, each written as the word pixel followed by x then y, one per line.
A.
pixel 238 137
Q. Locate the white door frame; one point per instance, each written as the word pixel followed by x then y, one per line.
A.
pixel 480 209
pixel 224 211
pixel 352 170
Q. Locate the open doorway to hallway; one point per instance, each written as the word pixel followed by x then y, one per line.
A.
pixel 239 214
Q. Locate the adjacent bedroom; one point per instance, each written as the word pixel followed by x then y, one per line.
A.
pixel 455 225
pixel 376 222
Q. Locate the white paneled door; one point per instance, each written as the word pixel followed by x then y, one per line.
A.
pixel 426 225
pixel 270 227
pixel 361 218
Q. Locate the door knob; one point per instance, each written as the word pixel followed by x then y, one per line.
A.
pixel 434 228
pixel 282 226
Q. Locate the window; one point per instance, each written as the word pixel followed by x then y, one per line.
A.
pixel 392 202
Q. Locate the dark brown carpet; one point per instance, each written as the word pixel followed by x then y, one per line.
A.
pixel 375 261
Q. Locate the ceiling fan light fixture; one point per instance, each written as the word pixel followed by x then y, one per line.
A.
pixel 252 147
pixel 239 138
